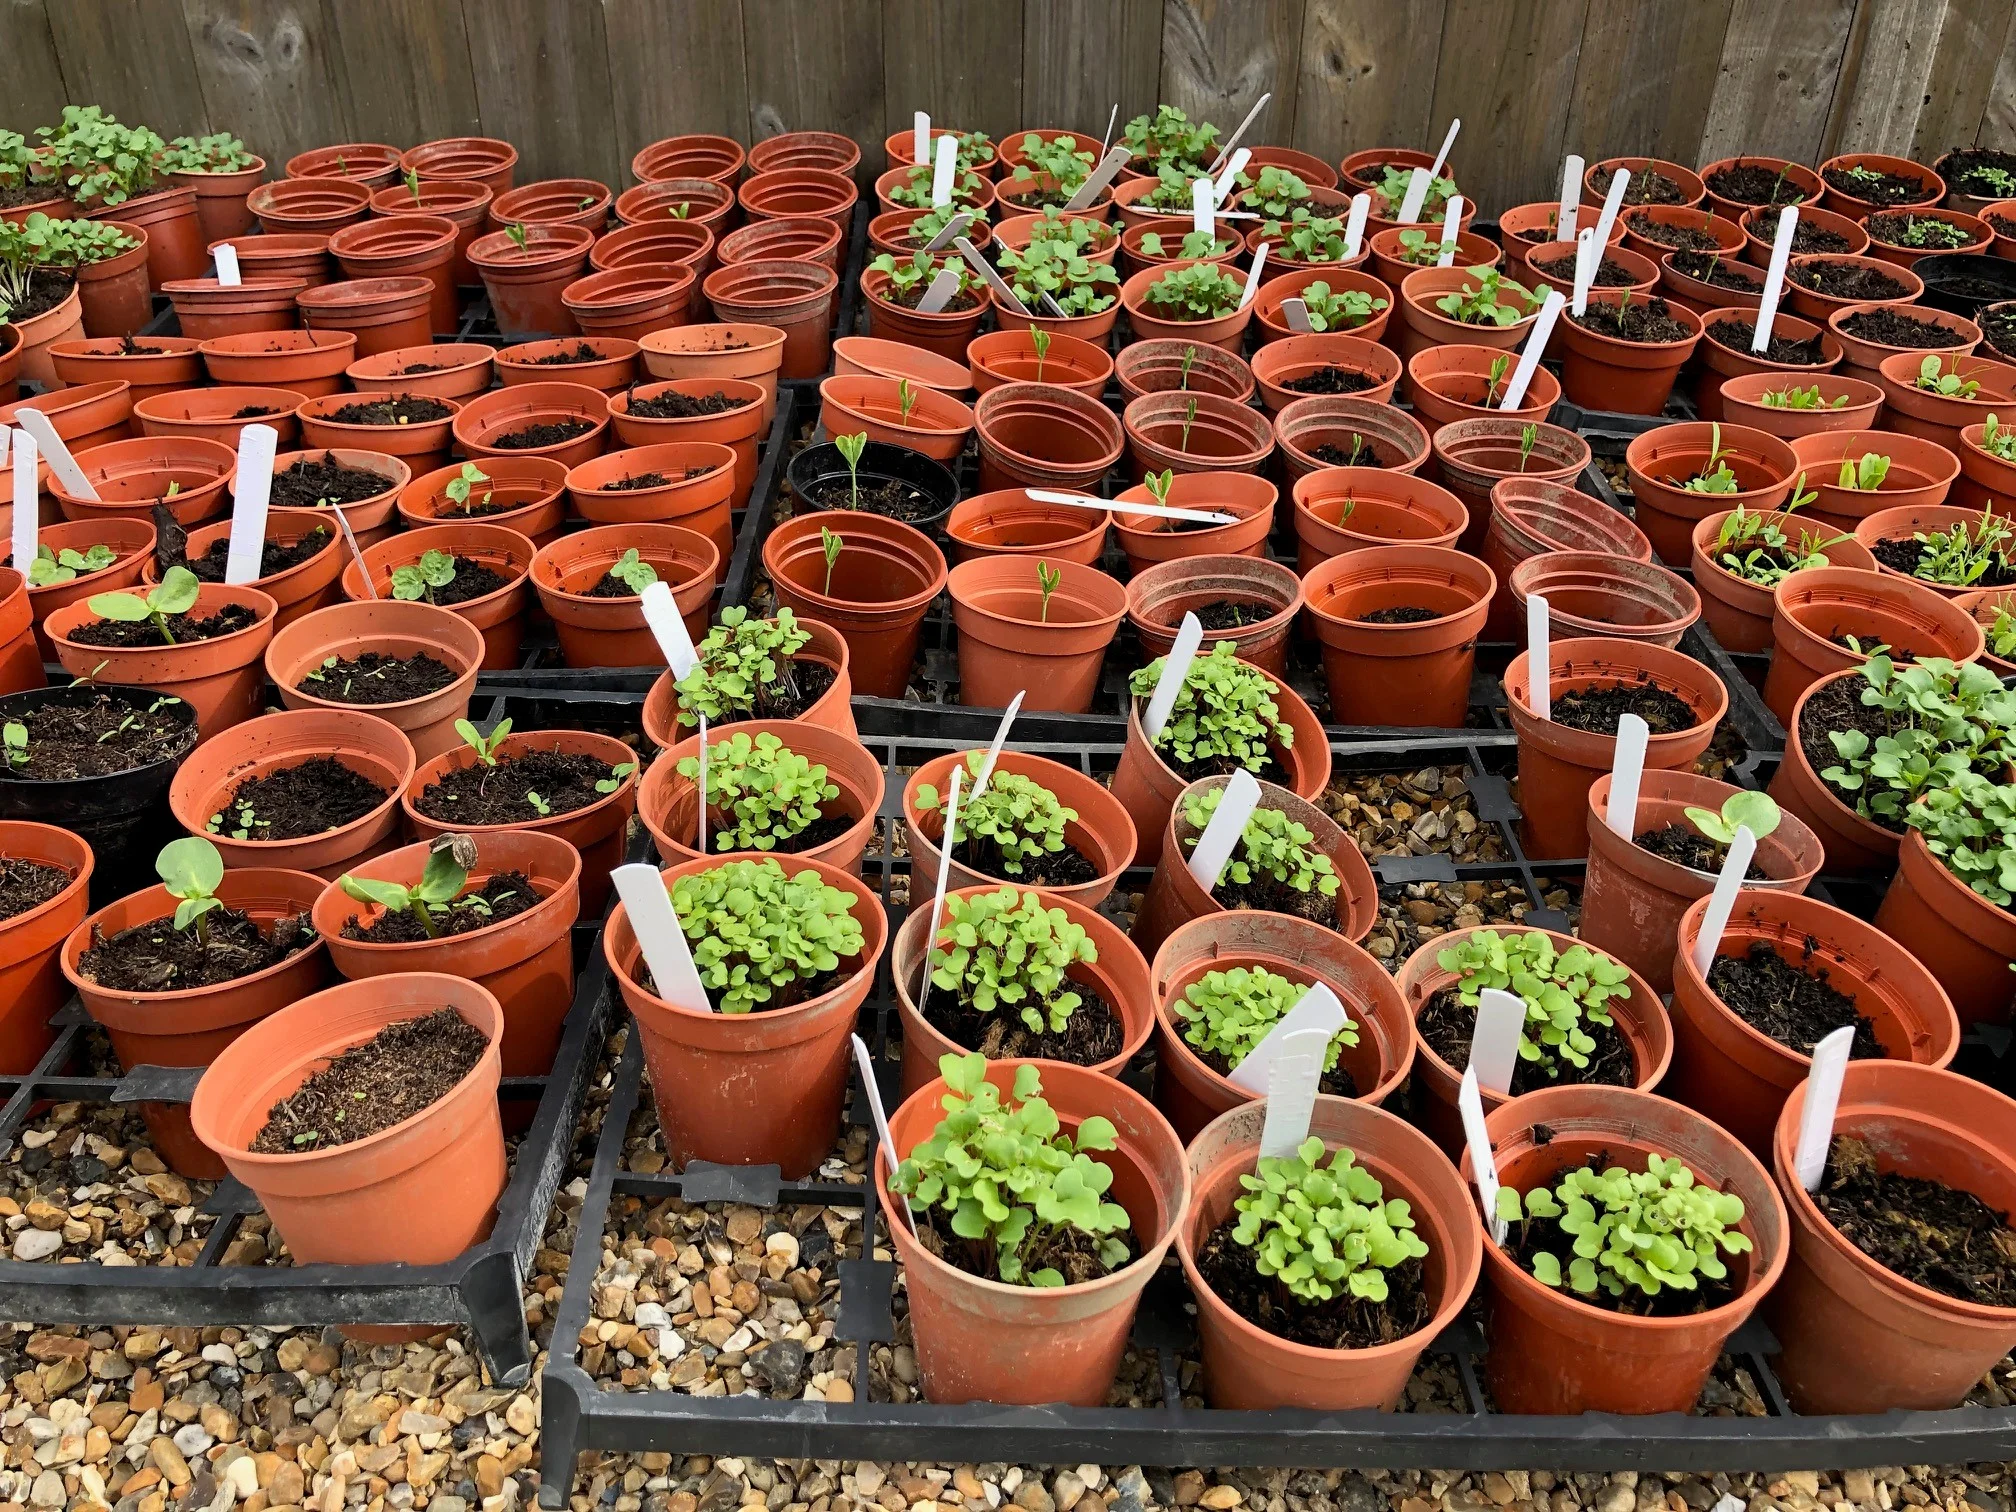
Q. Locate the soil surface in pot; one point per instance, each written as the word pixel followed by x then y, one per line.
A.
pixel 1903 229
pixel 548 433
pixel 1648 186
pixel 1533 1236
pixel 134 635
pixel 672 405
pixel 274 556
pixel 1093 1033
pixel 28 884
pixel 1876 188
pixel 1838 705
pixel 1068 867
pixel 1611 275
pixel 371 677
pixel 610 586
pixel 1792 1004
pixel 99 739
pixel 1343 1322
pixel 892 498
pixel 913 296
pixel 1966 167
pixel 819 832
pixel 1233 614
pixel 1686 238
pixel 394 409
pixel 1447 1026
pixel 128 347
pixel 499 794
pixel 1852 281
pixel 1330 380
pixel 1998 327
pixel 254 411
pixel 1941 1237
pixel 1269 770
pixel 1713 269
pixel 46 290
pixel 1648 321
pixel 800 684
pixel 1598 710
pixel 310 485
pixel 503 896
pixel 472 580
pixel 402 1070
pixel 295 802
pixel 1809 239
pixel 1398 614
pixel 1755 184
pixel 1065 1248
pixel 1738 334
pixel 578 353
pixel 1888 326
pixel 1688 846
pixel 158 957
pixel 1365 455
pixel 1905 553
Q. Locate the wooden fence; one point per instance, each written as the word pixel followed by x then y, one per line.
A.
pixel 579 85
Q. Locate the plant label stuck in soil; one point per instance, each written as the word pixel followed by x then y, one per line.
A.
pixel 1244 126
pixel 920 137
pixel 1494 1041
pixel 26 501
pixel 943 287
pixel 1225 180
pixel 1626 773
pixel 1319 1012
pixel 1774 277
pixel 1470 1103
pixel 659 936
pixel 865 1064
pixel 1182 651
pixel 985 269
pixel 1588 262
pixel 1202 203
pixel 1354 224
pixel 1452 226
pixel 258 445
pixel 1536 345
pixel 1539 670
pixel 1823 1097
pixel 1292 1079
pixel 1253 275
pixel 228 276
pixel 1613 203
pixel 1296 314
pixel 1227 824
pixel 1000 740
pixel 1109 169
pixel 1571 198
pixel 1721 902
pixel 942 171
pixel 954 229
pixel 668 629
pixel 56 453
pixel 944 875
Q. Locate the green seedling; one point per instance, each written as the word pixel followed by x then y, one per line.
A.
pixel 1196 291
pixel 1047 579
pixel 1307 238
pixel 829 544
pixel 1493 300
pixel 1942 720
pixel 192 871
pixel 1947 384
pixel 1864 474
pixel 633 572
pixel 14 741
pixel 1563 990
pixel 1194 244
pixel 615 778
pixel 1792 398
pixel 760 791
pixel 757 930
pixel 516 231
pixel 1961 556
pixel 460 486
pixel 1323 1231
pixel 485 748
pixel 418 580
pixel 441 883
pixel 1003 950
pixel 1183 372
pixel 1021 818
pixel 1272 845
pixel 851 448
pixel 1228 1013
pixel 1715 476
pixel 1339 310
pixel 61 566
pixel 1754 811
pixel 1159 484
pixel 1039 341
pixel 1225 714
pixel 1529 437
pixel 538 804
pixel 1501 365
pixel 906 401
pixel 1998 441
pixel 1970 828
pixel 175 594
pixel 745 668
pixel 1189 419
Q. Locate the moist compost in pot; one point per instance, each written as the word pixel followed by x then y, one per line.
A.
pixel 1891 326
pixel 1600 710
pixel 502 794
pixel 893 481
pixel 1936 1236
pixel 297 802
pixel 1856 282
pixel 372 677
pixel 274 556
pixel 142 634
pixel 1446 1027
pixel 1738 334
pixel 100 736
pixel 312 484
pixel 1792 1003
pixel 154 956
pixel 502 895
pixel 402 1070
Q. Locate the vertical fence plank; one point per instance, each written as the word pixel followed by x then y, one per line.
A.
pixel 1508 71
pixel 1645 78
pixel 269 74
pixel 1220 56
pixel 31 77
pixel 1913 73
pixel 1965 73
pixel 817 67
pixel 1080 58
pixel 1998 113
pixel 1366 77
pixel 542 81
pixel 406 72
pixel 1780 64
pixel 700 46
pixel 961 60
pixel 133 58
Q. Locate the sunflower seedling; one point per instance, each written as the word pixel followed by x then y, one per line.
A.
pixel 174 594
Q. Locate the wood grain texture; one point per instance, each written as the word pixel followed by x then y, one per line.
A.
pixel 1998 112
pixel 405 66
pixel 1775 84
pixel 1366 77
pixel 1080 58
pixel 1915 78
pixel 960 60
pixel 1646 77
pixel 133 58
pixel 269 73
pixel 31 75
pixel 1219 56
pixel 1508 72
pixel 816 67
pixel 542 82
pixel 700 45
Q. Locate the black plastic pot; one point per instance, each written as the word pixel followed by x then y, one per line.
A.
pixel 123 817
pixel 1961 283
pixel 881 462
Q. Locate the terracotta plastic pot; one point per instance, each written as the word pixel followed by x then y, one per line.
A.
pixel 1644 271
pixel 1864 359
pixel 1386 259
pixel 487 420
pixel 751 1088
pixel 464 202
pixel 1524 227
pixel 113 292
pixel 1012 639
pixel 1796 176
pixel 63 323
pixel 166 221
pixel 172 363
pixel 1938 418
pixel 305 586
pixel 130 477
pixel 1743 404
pixel 499 614
pixel 1719 360
pixel 1987 605
pixel 1159 596
pixel 1853 843
pixel 610 632
pixel 1289 360
pixel 371 163
pixel 678 242
pixel 1226 331
pixel 20 655
pixel 483 160
pixel 31 981
pixel 970 191
pixel 807 149
pixel 946 333
pixel 310 363
pixel 751 352
pixel 805 238
pixel 1557 765
pixel 410 246
pixel 1148 367
pixel 833 709
pixel 1765 468
pixel 1251 499
pixel 1596 181
pixel 783 192
pixel 1985 481
pixel 1700 296
pixel 193 1026
pixel 390 627
pixel 1739 1077
pixel 217 414
pixel 220 677
pixel 1273 294
pixel 630 301
pixel 1421 325
pixel 1760 227
pixel 867 357
pixel 450 370
pixel 1409 675
pixel 422 445
pixel 668 804
pixel 892 232
pixel 206 309
pixel 221 211
pixel 1980 235
pixel 1738 611
pixel 795 298
pixel 524 283
pixel 87 416
pixel 937 424
pixel 1347 509
pixel 1634 376
pixel 1033 435
pixel 1842 202
pixel 132 542
pixel 701 483
pixel 553 202
pixel 1447 383
pixel 1549 1351
pixel 299 256
pixel 1965 940
pixel 1632 899
pixel 1220 435
pixel 1132 255
pixel 1811 607
pixel 1397 441
pixel 371 519
pixel 1909 522
pixel 1366 168
pixel 1473 456
pixel 1818 304
pixel 1593 593
pixel 739 429
pixel 309 206
pixel 1007 522
pixel 1531 516
pixel 612 369
pixel 1728 235
pixel 694 155
pixel 383 313
pixel 882 583
pixel 701 201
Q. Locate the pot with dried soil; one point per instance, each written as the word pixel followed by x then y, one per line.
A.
pixel 216 414
pixel 1626 353
pixel 1704 281
pixel 778 786
pixel 871 578
pixel 719 411
pixel 1249 601
pixel 1593 593
pixel 1473 456
pixel 1593 684
pixel 243 948
pixel 1680 474
pixel 1948 904
pixel 1036 628
pixel 524 268
pixel 1828 619
pixel 1870 333
pixel 1007 522
pixel 1790 970
pixel 568 422
pixel 1465 382
pixel 45 877
pixel 1151 367
pixel 1532 516
pixel 880 479
pixel 1324 432
pixel 591 582
pixel 1035 436
pixel 608 363
pixel 411 665
pixel 311 363
pixel 1798 351
pixel 477 569
pixel 1741 556
pixel 1251 499
pixel 1788 407
pixel 690 483
pixel 1399 628
pixel 782 668
pixel 299 559
pixel 525 494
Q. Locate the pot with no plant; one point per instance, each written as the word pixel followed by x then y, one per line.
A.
pixel 1830 619
pixel 417 428
pixel 412 665
pixel 786 956
pixel 871 578
pixel 784 787
pixel 591 582
pixel 1625 352
pixel 1007 522
pixel 240 943
pixel 1037 628
pixel 1594 593
pixel 782 668
pixel 478 570
pixel 1399 628
pixel 1741 556
pixel 45 879
pixel 1533 516
pixel 1246 600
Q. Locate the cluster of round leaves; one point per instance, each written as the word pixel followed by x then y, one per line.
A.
pixel 1224 710
pixel 1633 1231
pixel 1320 1230
pixel 768 791
pixel 1196 291
pixel 1944 719
pixel 1004 950
pixel 1970 825
pixel 61 566
pixel 1007 1173
pixel 1563 990
pixel 1079 285
pixel 738 659
pixel 1018 814
pixel 756 929
pixel 1228 1013
pixel 1271 845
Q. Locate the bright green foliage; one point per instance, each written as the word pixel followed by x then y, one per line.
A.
pixel 615 778
pixel 2002 634
pixel 1338 311
pixel 1944 719
pixel 924 230
pixel 61 566
pixel 458 487
pixel 1172 191
pixel 174 594
pixel 1172 141
pixel 1276 192
pixel 1079 285
pixel 1492 300
pixel 1757 812
pixel 192 871
pixel 1997 441
pixel 484 746
pixel 1323 1230
pixel 1194 244
pixel 1229 1012
pixel 633 571
pixel 1007 1173
pixel 36 244
pixel 1004 949
pixel 1065 161
pixel 914 192
pixel 18 163
pixel 1225 711
pixel 1422 249
pixel 102 162
pixel 1801 399
pixel 1047 579
pixel 851 449
pixel 416 580
pixel 768 790
pixel 1948 385
pixel 757 929
pixel 1306 237
pixel 1018 814
pixel 222 153
pixel 1957 558
pixel 741 659
pixel 14 743
pixel 1562 990
pixel 1865 473
pixel 1970 825
pixel 1638 1231
pixel 917 271
pixel 441 883
pixel 1074 233
pixel 1393 182
pixel 1715 476
pixel 1927 233
pixel 1754 545
pixel 1198 291
pixel 1271 845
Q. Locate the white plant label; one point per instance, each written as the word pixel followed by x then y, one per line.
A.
pixel 1230 176
pixel 27 504
pixel 1494 1042
pixel 1774 277
pixel 1244 126
pixel 942 170
pixel 1627 772
pixel 865 1064
pixel 954 229
pixel 1452 226
pixel 1236 802
pixel 1571 198
pixel 1175 667
pixel 1415 197
pixel 920 137
pixel 1536 345
pixel 1483 1165
pixel 1823 1098
pixel 1158 511
pixel 1588 263
pixel 993 280
pixel 1000 740
pixel 257 447
pixel 1112 120
pixel 1539 663
pixel 1318 1012
pixel 669 630
pixel 944 875
pixel 659 936
pixel 1109 169
pixel 943 287
pixel 1722 901
pixel 703 784
pixel 1354 224
pixel 1613 202
pixel 1292 1079
pixel 1296 314
pixel 1203 203
pixel 56 452
pixel 1253 275
pixel 228 276
pixel 1448 141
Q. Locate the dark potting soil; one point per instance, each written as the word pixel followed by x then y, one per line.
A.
pixel 1809 239
pixel 1530 1236
pixel 1447 1027
pixel 1687 238
pixel 1337 456
pixel 1755 184
pixel 1998 327
pixel 401 1071
pixel 1864 646
pixel 1941 1237
pixel 1610 275
pixel 1343 1322
pixel 1230 614
pixel 254 411
pixel 610 586
pixel 819 832
pixel 486 795
pixel 673 405
pixel 891 497
pixel 1897 229
pixel 28 884
pixel 25 193
pixel 1070 1251
pixel 100 738
pixel 135 634
pixel 1837 705
pixel 1792 1003
pixel 552 433
pixel 631 481
pixel 1649 321
pixel 473 508
pixel 422 367
pixel 1338 1082
pixel 1331 380
pixel 274 556
pixel 158 957
pixel 46 290
pixel 1904 553
pixel 371 677
pixel 393 409
pixel 801 683
pixel 1716 270
pixel 1846 280
pixel 913 296
pixel 1688 846
pixel 1889 326
pixel 292 803
pixel 507 894
pixel 1738 334
pixel 1883 189
pixel 1095 1031
pixel 1037 197
pixel 1964 168
pixel 472 580
pixel 1067 868
pixel 579 352
pixel 1399 614
pixel 1598 710
pixel 1271 769
pixel 1265 895
pixel 305 485
pixel 1649 187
